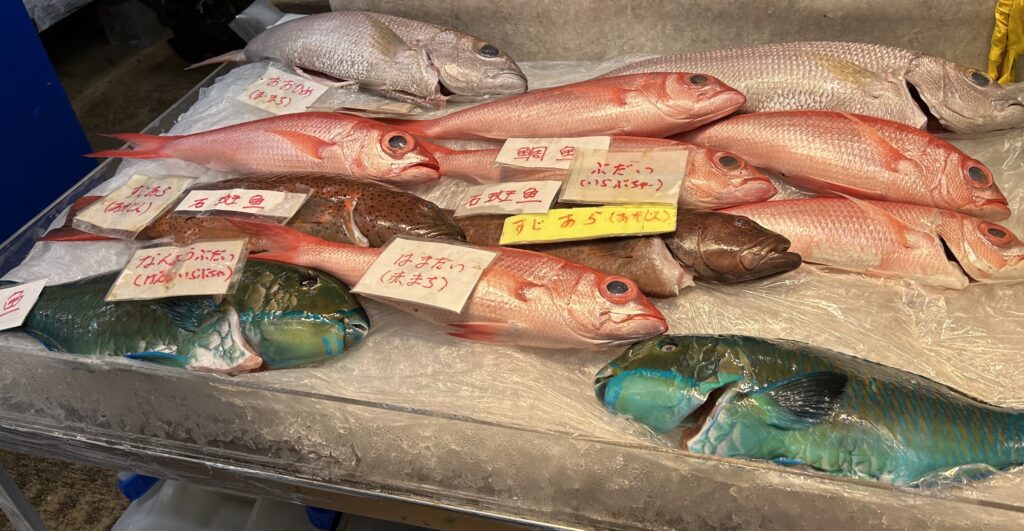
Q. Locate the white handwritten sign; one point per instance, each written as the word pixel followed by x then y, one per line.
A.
pixel 202 268
pixel 547 152
pixel 528 197
pixel 279 92
pixel 440 275
pixel 610 177
pixel 17 301
pixel 270 203
pixel 129 209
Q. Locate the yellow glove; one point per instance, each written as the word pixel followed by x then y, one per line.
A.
pixel 1007 40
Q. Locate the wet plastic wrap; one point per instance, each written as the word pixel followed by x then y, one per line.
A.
pixel 46 13
pixel 414 414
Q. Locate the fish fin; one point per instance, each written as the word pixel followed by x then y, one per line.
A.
pixel 903 231
pixel 234 56
pixel 957 475
pixel 146 146
pixel 188 313
pixel 308 144
pixel 417 128
pixel 867 80
pixel 69 234
pixel 384 39
pixel 348 219
pixel 802 400
pixel 281 243
pixel 891 155
pixel 220 346
pixel 480 331
pixel 787 461
pixel 160 358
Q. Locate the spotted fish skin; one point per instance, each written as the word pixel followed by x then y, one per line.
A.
pixel 880 422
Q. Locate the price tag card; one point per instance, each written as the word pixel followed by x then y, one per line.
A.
pixel 17 302
pixel 587 223
pixel 626 177
pixel 129 209
pixel 530 197
pixel 547 152
pixel 280 92
pixel 270 203
pixel 202 268
pixel 440 275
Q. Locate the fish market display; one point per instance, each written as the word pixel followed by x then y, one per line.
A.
pixel 712 246
pixel 832 152
pixel 523 298
pixel 401 58
pixel 338 210
pixel 736 396
pixel 892 239
pixel 280 316
pixel 714 178
pixel 302 142
pixel 860 78
pixel 654 105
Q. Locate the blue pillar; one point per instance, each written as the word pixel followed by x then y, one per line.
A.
pixel 42 143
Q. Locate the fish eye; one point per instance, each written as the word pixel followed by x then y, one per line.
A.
pixel 488 50
pixel 667 346
pixel 619 290
pixel 979 177
pixel 398 143
pixel 728 162
pixel 741 222
pixel 698 79
pixel 980 79
pixel 997 234
pixel 308 280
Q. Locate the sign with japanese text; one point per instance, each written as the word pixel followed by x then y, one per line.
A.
pixel 268 203
pixel 547 152
pixel 625 177
pixel 17 301
pixel 532 197
pixel 201 268
pixel 586 223
pixel 279 92
pixel 440 275
pixel 129 209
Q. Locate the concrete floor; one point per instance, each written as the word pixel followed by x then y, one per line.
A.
pixel 112 89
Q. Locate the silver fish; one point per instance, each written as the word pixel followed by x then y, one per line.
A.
pixel 869 79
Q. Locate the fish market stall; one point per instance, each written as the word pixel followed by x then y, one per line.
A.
pixel 414 421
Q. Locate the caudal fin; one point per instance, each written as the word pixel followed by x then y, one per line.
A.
pixel 279 243
pixel 146 146
pixel 234 56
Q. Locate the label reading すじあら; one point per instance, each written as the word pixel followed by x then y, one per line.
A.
pixel 202 268
pixel 440 275
pixel 554 153
pixel 132 207
pixel 531 197
pixel 626 177
pixel 279 92
pixel 587 223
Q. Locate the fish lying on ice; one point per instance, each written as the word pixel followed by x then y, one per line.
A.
pixel 320 142
pixel 745 397
pixel 838 153
pixel 881 81
pixel 397 57
pixel 280 316
pixel 655 105
pixel 523 298
pixel 714 178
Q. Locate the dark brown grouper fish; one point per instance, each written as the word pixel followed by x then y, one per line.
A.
pixel 709 245
pixel 339 210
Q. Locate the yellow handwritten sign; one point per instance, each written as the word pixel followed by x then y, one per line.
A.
pixel 586 223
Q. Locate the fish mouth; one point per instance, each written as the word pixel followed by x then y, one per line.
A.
pixel 992 209
pixel 651 324
pixel 501 84
pixel 695 422
pixel 601 381
pixel 755 190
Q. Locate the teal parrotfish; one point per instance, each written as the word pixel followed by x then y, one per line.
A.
pixel 279 316
pixel 795 404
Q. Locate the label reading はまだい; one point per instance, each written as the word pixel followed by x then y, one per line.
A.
pixel 554 153
pixel 201 268
pixel 127 210
pixel 626 177
pixel 440 275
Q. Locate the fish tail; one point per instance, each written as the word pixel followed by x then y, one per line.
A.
pixel 234 56
pixel 280 243
pixel 146 146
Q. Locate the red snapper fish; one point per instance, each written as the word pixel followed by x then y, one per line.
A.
pixel 654 105
pixel 321 142
pixel 714 179
pixel 894 239
pixel 523 298
pixel 845 154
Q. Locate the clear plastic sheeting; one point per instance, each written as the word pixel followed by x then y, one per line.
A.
pixel 508 431
pixel 46 13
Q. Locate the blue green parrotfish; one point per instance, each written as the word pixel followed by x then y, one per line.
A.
pixel 279 316
pixel 796 404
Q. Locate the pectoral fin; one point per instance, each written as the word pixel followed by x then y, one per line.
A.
pixel 188 313
pixel 868 81
pixel 308 144
pixel 481 331
pixel 220 346
pixel 905 234
pixel 161 358
pixel 891 155
pixel 802 400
